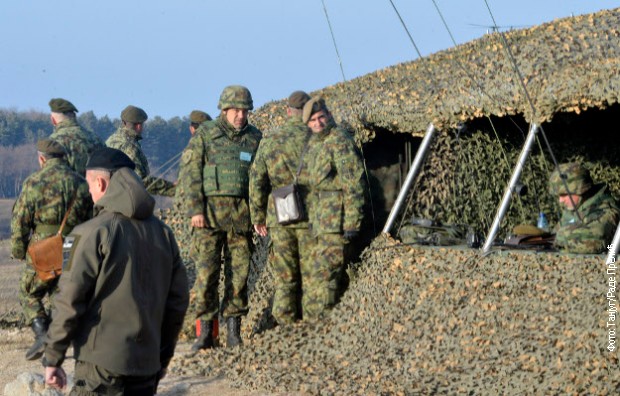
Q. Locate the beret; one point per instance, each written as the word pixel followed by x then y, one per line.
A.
pixel 298 99
pixel 50 147
pixel 312 106
pixel 198 117
pixel 134 114
pixel 59 105
pixel 109 159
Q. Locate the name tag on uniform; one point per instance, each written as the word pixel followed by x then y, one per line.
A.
pixel 245 156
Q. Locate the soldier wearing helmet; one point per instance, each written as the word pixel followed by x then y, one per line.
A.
pixel 218 162
pixel 589 214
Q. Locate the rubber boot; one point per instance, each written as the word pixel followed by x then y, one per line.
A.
pixel 204 335
pixel 233 330
pixel 39 327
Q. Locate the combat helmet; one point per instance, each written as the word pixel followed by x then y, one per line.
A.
pixel 235 96
pixel 577 179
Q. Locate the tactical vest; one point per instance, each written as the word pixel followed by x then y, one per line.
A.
pixel 226 172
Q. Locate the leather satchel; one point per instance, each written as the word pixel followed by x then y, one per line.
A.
pixel 288 204
pixel 46 254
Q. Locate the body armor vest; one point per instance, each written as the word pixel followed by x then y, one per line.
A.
pixel 226 171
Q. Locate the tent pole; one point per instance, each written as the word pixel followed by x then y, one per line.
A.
pixel 503 208
pixel 411 176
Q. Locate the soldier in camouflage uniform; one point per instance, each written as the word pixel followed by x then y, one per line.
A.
pixel 45 198
pixel 77 141
pixel 127 139
pixel 221 153
pixel 589 214
pixel 335 173
pixel 298 279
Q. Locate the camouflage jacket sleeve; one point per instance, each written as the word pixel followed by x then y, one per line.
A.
pixel 193 184
pixel 259 185
pixel 593 234
pixel 158 186
pixel 351 173
pixel 22 223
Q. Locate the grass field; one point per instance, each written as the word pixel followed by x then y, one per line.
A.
pixel 6 206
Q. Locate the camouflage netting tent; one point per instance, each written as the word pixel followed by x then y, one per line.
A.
pixel 423 320
pixel 472 93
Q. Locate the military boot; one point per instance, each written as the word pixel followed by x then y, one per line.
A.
pixel 204 335
pixel 233 330
pixel 39 327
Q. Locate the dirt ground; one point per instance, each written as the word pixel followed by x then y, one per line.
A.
pixel 15 341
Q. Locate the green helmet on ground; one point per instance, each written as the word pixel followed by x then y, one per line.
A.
pixel 577 179
pixel 235 96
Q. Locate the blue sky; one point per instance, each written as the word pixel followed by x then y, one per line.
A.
pixel 170 57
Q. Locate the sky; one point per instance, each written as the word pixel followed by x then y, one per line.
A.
pixel 171 57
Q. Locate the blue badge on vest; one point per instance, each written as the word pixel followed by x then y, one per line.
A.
pixel 245 156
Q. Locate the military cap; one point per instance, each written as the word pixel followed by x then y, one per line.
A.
pixel 312 106
pixel 60 105
pixel 576 176
pixel 198 117
pixel 298 99
pixel 134 114
pixel 109 159
pixel 51 147
pixel 235 96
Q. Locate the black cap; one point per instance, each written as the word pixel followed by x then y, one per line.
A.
pixel 60 105
pixel 298 99
pixel 51 147
pixel 109 159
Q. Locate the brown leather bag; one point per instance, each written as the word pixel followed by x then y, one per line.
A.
pixel 46 254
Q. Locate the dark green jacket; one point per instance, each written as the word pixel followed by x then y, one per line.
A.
pixel 123 292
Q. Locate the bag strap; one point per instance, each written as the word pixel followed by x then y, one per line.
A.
pixel 64 219
pixel 301 157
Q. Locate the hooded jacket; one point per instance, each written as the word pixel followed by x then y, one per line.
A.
pixel 123 292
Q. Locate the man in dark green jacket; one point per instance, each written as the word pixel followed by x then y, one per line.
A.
pixel 123 292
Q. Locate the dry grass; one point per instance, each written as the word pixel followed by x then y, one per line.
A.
pixel 6 206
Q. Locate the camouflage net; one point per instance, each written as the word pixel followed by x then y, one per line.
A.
pixel 568 65
pixel 440 321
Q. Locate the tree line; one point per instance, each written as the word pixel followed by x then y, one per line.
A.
pixel 19 131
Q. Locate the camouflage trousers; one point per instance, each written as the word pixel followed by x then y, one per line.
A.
pixel 92 380
pixel 206 251
pixel 298 280
pixel 32 292
pixel 328 253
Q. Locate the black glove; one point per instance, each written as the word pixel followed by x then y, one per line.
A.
pixel 350 235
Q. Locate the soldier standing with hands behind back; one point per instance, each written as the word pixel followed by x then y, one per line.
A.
pixel 222 151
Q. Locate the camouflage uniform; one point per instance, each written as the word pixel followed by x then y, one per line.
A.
pixel 599 212
pixel 217 187
pixel 298 279
pixel 78 142
pixel 128 141
pixel 336 201
pixel 40 208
